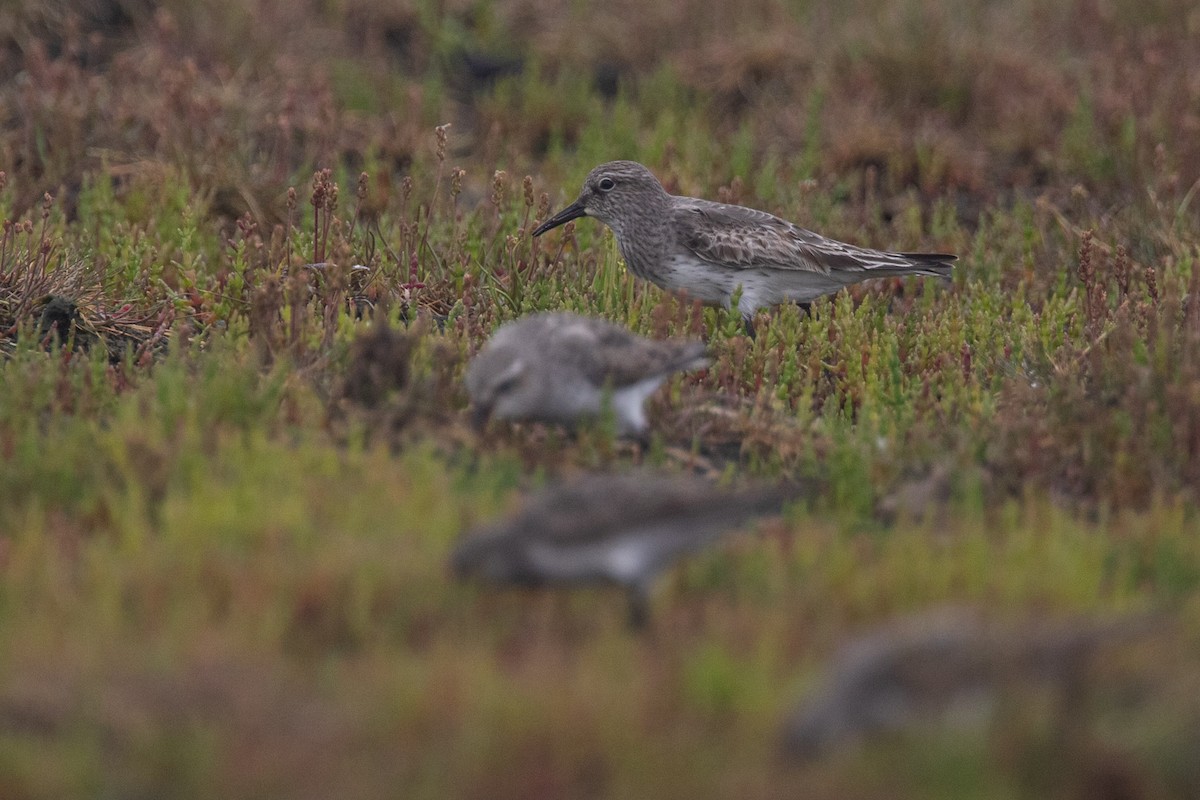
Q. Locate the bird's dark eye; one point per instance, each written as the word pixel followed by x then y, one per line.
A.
pixel 606 184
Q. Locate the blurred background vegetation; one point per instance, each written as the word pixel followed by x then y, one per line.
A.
pixel 228 495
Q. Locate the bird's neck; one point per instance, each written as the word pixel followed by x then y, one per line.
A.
pixel 643 238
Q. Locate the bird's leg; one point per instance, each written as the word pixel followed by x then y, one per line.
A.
pixel 639 606
pixel 748 323
pixel 642 440
pixel 806 308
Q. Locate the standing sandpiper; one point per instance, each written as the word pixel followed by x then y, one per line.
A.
pixel 622 529
pixel 560 367
pixel 708 250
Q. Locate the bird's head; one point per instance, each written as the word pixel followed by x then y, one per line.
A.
pixel 612 193
pixel 498 381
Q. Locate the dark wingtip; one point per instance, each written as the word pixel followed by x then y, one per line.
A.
pixel 693 355
pixel 931 257
pixel 938 265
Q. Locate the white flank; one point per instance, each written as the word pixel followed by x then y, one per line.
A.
pixel 629 404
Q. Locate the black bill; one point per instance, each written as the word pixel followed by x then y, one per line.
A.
pixel 573 211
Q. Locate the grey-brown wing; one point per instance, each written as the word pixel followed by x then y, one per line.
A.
pixel 608 353
pixel 745 238
pixel 607 505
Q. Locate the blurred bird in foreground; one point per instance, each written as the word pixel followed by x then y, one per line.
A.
pixel 561 367
pixel 621 529
pixel 950 668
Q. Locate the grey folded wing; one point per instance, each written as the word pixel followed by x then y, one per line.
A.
pixel 745 238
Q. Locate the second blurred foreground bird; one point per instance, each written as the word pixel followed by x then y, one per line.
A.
pixel 711 250
pixel 559 367
pixel 620 529
pixel 950 668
